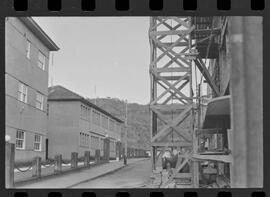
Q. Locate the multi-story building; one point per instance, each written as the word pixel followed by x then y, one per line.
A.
pixel 27 49
pixel 77 125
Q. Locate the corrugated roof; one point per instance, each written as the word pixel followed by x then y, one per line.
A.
pixel 60 93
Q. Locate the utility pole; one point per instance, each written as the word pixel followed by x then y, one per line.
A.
pixel 126 131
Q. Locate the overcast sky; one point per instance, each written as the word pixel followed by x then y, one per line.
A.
pixel 109 53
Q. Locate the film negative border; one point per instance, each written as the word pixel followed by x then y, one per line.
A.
pixel 123 5
pixel 146 193
pixel 133 7
pixel 141 8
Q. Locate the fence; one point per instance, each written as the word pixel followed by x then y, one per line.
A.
pixel 37 168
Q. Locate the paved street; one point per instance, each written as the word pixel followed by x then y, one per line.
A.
pixel 70 180
pixel 135 175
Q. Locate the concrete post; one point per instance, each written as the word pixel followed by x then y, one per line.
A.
pixel 36 171
pixel 74 160
pixel 58 164
pixel 9 164
pixel 86 158
pixel 97 156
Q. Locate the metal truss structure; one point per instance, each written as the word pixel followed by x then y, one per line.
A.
pixel 173 46
pixel 171 101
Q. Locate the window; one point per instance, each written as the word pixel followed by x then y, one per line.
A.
pixel 28 48
pixel 84 139
pixel 80 138
pixel 20 139
pixel 41 61
pixel 104 120
pixel 111 125
pixel 88 114
pixel 39 101
pixel 84 112
pixel 94 142
pixel 37 142
pixel 101 143
pixel 22 93
pixel 96 117
pixel 47 109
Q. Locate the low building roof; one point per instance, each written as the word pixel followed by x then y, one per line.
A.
pixel 36 29
pixel 59 93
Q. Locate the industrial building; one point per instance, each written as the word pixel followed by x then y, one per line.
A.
pixel 206 72
pixel 77 125
pixel 27 52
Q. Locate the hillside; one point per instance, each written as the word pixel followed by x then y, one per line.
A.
pixel 138 119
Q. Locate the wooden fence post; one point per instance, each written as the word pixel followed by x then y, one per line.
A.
pixel 86 158
pixel 58 164
pixel 36 167
pixel 9 164
pixel 97 156
pixel 74 160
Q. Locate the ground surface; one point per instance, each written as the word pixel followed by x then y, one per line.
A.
pixel 135 175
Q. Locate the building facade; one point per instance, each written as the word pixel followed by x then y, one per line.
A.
pixel 27 49
pixel 77 125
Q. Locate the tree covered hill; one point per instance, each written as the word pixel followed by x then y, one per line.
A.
pixel 138 119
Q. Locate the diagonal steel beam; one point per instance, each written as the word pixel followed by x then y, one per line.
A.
pixel 176 121
pixel 201 66
pixel 171 124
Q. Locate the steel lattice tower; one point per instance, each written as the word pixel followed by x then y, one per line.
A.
pixel 171 100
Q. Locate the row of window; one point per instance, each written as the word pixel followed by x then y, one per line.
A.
pixel 23 93
pixel 99 119
pixel 85 112
pixel 20 141
pixel 96 142
pixel 41 57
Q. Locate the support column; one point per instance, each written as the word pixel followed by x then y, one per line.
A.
pixel 246 87
pixel 9 164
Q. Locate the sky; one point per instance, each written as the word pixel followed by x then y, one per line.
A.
pixel 100 56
